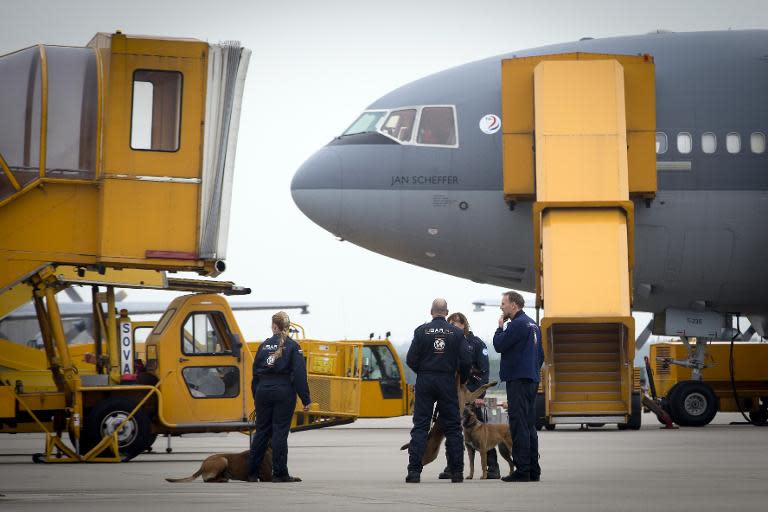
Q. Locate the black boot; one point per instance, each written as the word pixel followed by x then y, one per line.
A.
pixel 445 474
pixel 413 477
pixel 285 478
pixel 457 477
pixel 517 477
pixel 493 466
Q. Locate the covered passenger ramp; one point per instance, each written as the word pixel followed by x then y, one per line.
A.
pixel 578 142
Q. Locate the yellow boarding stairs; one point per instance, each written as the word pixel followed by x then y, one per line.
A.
pixel 578 142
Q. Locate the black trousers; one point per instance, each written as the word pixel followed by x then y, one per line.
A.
pixel 437 388
pixel 521 399
pixel 275 404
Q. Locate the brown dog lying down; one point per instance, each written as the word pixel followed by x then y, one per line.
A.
pixel 436 432
pixel 481 437
pixel 223 467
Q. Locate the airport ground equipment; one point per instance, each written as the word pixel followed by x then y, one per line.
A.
pixel 116 167
pixel 692 394
pixel 578 142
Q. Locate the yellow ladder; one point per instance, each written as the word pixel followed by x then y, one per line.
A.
pixel 581 178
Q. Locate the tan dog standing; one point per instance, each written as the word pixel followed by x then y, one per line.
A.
pixel 223 467
pixel 481 437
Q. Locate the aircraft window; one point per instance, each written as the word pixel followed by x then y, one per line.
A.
pixel 733 142
pixel 661 143
pixel 156 110
pixel 684 143
pixel 437 126
pixel 708 143
pixel 757 142
pixel 399 124
pixel 367 122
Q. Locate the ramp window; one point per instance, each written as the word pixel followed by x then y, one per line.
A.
pixel 757 142
pixel 437 126
pixel 205 334
pixel 156 110
pixel 684 143
pixel 212 381
pixel 661 143
pixel 708 143
pixel 733 142
pixel 399 124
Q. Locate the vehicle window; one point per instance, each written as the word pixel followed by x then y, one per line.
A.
pixel 205 334
pixel 140 334
pixel 379 363
pixel 757 142
pixel 708 143
pixel 156 110
pixel 163 322
pixel 733 142
pixel 367 122
pixel 661 143
pixel 212 381
pixel 399 124
pixel 437 126
pixel 684 143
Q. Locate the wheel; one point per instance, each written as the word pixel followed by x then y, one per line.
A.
pixel 595 425
pixel 539 404
pixel 759 417
pixel 103 419
pixel 152 439
pixel 692 403
pixel 636 418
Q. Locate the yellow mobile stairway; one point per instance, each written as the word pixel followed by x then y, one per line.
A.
pixel 578 143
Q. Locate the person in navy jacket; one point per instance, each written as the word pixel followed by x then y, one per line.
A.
pixel 521 358
pixel 279 374
pixel 437 352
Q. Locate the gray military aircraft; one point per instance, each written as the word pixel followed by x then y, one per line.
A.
pixel 418 176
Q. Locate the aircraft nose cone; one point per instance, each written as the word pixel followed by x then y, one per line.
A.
pixel 316 189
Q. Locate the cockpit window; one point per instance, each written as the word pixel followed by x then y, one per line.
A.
pixel 399 124
pixel 367 122
pixel 437 126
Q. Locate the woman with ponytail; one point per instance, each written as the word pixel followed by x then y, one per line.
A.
pixel 279 374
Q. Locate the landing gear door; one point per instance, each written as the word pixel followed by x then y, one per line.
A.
pixel 210 376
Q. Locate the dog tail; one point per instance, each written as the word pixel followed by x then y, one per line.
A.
pixel 405 446
pixel 187 479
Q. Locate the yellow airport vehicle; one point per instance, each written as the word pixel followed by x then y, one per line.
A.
pixel 116 167
pixel 695 401
pixel 578 141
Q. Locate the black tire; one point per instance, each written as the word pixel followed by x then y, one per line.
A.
pixel 759 417
pixel 134 438
pixel 636 418
pixel 595 425
pixel 692 403
pixel 539 404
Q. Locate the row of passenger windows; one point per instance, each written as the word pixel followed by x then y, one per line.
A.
pixel 425 125
pixel 708 143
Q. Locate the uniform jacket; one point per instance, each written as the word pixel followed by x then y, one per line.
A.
pixel 520 347
pixel 290 365
pixel 479 372
pixel 439 347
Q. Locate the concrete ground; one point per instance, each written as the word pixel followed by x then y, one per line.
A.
pixel 359 467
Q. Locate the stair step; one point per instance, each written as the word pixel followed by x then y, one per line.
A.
pixel 587 377
pixel 577 357
pixel 586 348
pixel 593 407
pixel 587 366
pixel 588 396
pixel 566 387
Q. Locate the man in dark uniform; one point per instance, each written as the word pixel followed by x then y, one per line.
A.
pixel 478 375
pixel 521 358
pixel 436 353
pixel 279 374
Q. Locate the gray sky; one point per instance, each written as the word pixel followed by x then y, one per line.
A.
pixel 315 66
